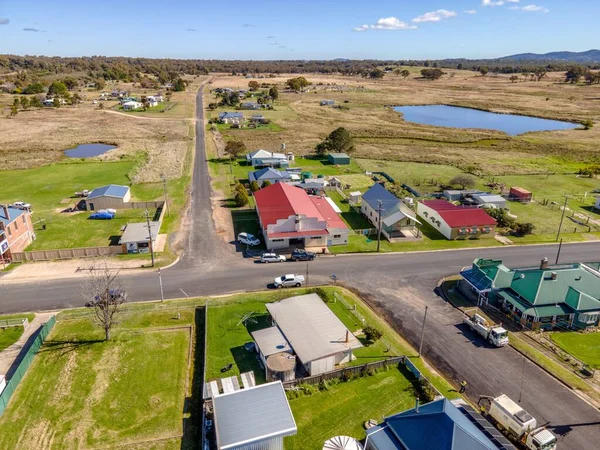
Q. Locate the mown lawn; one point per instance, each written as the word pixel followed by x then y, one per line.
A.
pixel 344 407
pixel 8 336
pixel 83 392
pixel 584 346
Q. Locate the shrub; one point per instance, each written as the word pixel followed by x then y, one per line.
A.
pixel 266 183
pixel 523 229
pixel 372 333
pixel 254 186
pixel 241 198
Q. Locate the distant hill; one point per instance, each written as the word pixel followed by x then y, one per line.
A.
pixel 574 57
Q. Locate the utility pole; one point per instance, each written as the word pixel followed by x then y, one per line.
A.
pixel 150 236
pixel 164 180
pixel 379 225
pixel 307 273
pixel 558 253
pixel 562 217
pixel 423 331
pixel 522 380
pixel 162 295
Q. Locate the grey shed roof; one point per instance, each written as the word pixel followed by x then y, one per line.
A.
pixel 270 341
pixel 112 190
pixel 138 232
pixel 252 415
pixel 311 328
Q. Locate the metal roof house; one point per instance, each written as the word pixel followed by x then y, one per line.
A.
pixel 264 158
pixel 398 220
pixel 136 238
pixel 319 339
pixel 231 117
pixel 254 418
pixel 110 196
pixel 548 296
pixel 439 425
pixel 456 222
pixel 268 174
pixel 289 216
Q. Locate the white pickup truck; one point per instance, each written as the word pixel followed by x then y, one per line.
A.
pixel 495 335
pixel 289 280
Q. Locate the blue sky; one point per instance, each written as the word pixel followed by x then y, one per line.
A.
pixel 308 29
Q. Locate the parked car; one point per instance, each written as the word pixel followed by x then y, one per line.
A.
pixel 289 280
pixel 302 255
pixel 102 216
pixel 248 239
pixel 114 295
pixel 272 257
pixel 109 211
pixel 21 205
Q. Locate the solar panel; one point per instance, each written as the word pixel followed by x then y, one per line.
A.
pixel 487 428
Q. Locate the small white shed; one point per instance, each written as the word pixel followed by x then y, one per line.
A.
pixel 355 197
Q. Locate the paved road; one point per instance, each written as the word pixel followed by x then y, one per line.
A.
pixel 397 285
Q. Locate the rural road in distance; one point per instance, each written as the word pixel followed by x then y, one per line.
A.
pixel 396 285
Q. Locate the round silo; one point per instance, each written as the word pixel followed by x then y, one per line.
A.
pixel 281 366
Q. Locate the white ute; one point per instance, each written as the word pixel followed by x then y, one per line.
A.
pixel 289 280
pixel 521 426
pixel 495 335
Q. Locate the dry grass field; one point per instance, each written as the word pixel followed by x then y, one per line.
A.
pixel 381 133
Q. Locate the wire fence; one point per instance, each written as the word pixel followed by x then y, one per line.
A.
pixel 27 360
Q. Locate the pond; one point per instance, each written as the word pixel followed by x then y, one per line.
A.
pixel 458 117
pixel 88 150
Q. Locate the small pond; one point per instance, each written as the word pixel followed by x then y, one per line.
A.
pixel 88 150
pixel 457 117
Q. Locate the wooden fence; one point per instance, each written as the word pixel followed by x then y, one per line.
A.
pixel 66 253
pixel 346 371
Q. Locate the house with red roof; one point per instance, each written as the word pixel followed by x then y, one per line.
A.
pixel 456 222
pixel 290 217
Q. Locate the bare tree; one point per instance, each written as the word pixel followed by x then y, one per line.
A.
pixel 104 293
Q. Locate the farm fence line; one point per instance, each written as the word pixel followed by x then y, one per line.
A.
pixel 21 370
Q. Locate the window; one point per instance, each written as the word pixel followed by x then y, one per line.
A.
pixel 9 232
pixel 588 318
pixel 24 221
pixel 16 226
pixel 276 240
pixel 337 236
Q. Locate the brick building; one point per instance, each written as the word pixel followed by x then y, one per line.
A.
pixel 16 231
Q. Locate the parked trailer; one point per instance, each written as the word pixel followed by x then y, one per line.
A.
pixel 517 423
pixel 83 193
pixel 494 334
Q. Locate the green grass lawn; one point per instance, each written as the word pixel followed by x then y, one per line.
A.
pixel 83 392
pixel 9 335
pixel 584 346
pixel 344 407
pixel 353 219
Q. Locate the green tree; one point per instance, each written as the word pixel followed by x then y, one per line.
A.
pixel 574 74
pixel 432 74
pixel 405 74
pixel 266 183
pixel 587 124
pixel 56 102
pixel 36 102
pixel 254 186
pixel 212 106
pixel 16 101
pixel 241 199
pixel 483 71
pixel 274 93
pixel 253 85
pixel 372 334
pixel 24 102
pixel 523 229
pixel 501 216
pixel 14 110
pixel 376 74
pixel 75 99
pixel 34 88
pixel 297 84
pixel 463 180
pixel 70 83
pixel 397 72
pixel 235 149
pixel 540 72
pixel 230 99
pixel 179 85
pixel 339 141
pixel 57 88
pixel 145 103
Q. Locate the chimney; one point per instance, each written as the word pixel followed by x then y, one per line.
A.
pixel 553 276
pixel 544 263
pixel 6 213
pixel 417 406
pixel 347 336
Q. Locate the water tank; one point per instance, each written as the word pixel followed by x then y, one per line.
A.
pixel 281 366
pixel 306 175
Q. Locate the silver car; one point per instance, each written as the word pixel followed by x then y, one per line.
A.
pixel 272 257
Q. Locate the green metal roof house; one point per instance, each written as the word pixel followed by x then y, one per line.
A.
pixel 540 297
pixel 338 158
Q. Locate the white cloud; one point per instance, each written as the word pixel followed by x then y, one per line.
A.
pixel 512 1
pixel 492 2
pixel 470 11
pixel 535 8
pixel 386 23
pixel 435 16
pixel 4 21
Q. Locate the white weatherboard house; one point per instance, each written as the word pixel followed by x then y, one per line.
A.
pixel 318 338
pixel 264 158
pixel 256 418
pixel 130 106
